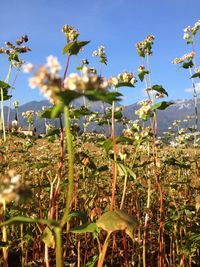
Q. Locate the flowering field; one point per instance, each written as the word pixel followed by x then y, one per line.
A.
pixel 73 197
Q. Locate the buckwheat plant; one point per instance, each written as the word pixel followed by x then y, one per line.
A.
pixel 100 53
pixel 29 116
pixel 61 91
pixel 188 61
pixel 12 51
pixel 149 108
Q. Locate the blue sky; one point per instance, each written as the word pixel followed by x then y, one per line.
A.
pixel 116 24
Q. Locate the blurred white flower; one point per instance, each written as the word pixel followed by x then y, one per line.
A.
pixel 53 64
pixel 28 67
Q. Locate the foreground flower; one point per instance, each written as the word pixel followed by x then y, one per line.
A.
pixel 47 79
pixel 28 67
pixel 78 83
pixel 53 64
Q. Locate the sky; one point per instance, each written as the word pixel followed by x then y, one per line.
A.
pixel 116 24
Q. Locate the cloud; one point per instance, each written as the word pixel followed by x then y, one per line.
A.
pixel 191 90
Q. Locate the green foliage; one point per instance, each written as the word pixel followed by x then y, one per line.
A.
pixel 159 89
pixel 73 48
pixel 48 237
pixel 117 220
pixel 187 65
pixel 142 74
pixel 196 75
pixel 124 84
pixel 86 228
pixel 162 105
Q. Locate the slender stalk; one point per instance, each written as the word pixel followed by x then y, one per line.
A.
pixel 58 238
pixel 2 104
pixel 4 238
pixel 9 107
pixel 70 166
pixel 124 191
pixel 103 251
pixel 114 165
pixel 146 223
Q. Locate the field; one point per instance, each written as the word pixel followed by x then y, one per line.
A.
pixel 71 197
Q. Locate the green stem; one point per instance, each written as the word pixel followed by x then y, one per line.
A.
pixel 2 104
pixel 114 165
pixel 58 238
pixel 70 166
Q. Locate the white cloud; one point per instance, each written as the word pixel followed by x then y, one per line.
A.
pixel 191 90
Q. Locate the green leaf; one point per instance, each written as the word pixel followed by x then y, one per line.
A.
pixel 187 65
pixel 162 105
pixel 52 112
pixel 86 228
pixel 104 96
pixel 67 97
pixel 124 170
pixel 160 89
pixel 123 140
pixel 4 85
pixel 195 75
pixel 117 220
pixel 48 237
pixel 142 74
pixel 73 48
pixel 124 84
pixel 107 144
pixel 24 220
pixel 78 113
pixel 5 97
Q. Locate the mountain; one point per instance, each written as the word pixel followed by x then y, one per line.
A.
pixel 178 111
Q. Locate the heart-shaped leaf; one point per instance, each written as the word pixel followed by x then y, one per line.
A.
pixel 73 48
pixel 117 220
pixel 162 105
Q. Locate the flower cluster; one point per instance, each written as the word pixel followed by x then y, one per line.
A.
pixel 28 114
pixel 70 33
pixel 190 32
pixel 145 110
pixel 123 77
pixel 101 54
pixel 145 47
pixel 141 68
pixel 186 57
pixel 78 83
pixel 46 78
pixel 13 51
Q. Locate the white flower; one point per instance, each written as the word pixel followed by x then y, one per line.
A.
pixel 53 64
pixel 15 179
pixel 28 67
